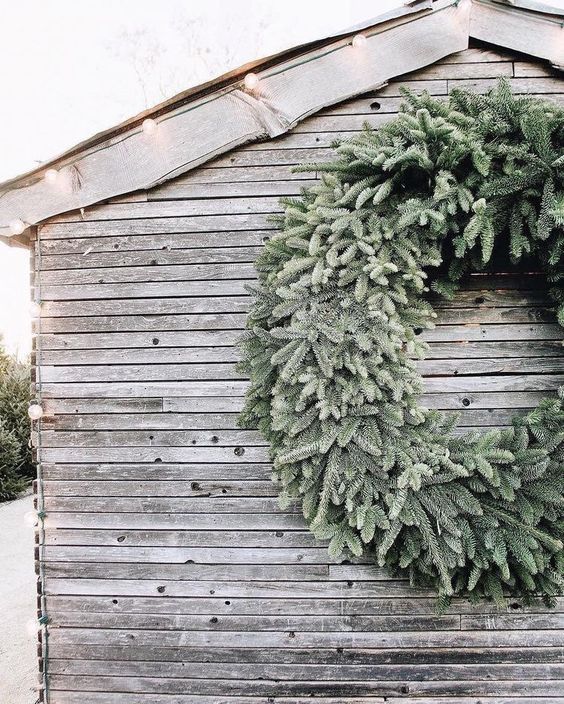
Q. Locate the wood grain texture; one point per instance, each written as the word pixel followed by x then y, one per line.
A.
pixel 172 575
pixel 222 117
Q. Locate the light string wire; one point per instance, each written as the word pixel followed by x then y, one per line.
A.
pixel 342 43
pixel 40 493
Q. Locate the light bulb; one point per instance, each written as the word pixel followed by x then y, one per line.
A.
pixel 31 518
pixel 35 411
pixel 359 40
pixel 149 126
pixel 51 176
pixel 17 226
pixel 35 309
pixel 251 81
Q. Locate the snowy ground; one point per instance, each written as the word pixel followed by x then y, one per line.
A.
pixel 18 678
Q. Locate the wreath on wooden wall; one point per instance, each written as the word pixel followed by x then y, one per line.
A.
pixel 332 338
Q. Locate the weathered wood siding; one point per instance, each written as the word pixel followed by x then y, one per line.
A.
pixel 171 576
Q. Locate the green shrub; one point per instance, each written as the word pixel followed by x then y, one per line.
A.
pixel 16 466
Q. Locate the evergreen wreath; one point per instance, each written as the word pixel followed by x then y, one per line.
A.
pixel 332 338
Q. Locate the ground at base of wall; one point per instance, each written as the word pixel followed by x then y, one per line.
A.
pixel 18 666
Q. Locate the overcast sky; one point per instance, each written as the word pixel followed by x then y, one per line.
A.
pixel 70 68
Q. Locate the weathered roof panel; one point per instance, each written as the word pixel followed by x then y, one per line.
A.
pixel 210 119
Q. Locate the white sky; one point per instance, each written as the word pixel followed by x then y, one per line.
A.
pixel 70 68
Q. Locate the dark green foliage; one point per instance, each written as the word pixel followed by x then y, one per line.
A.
pixel 16 467
pixel 433 195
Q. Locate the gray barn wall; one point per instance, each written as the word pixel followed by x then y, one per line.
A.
pixel 171 576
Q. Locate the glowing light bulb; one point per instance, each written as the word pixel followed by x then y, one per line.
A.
pixel 31 518
pixel 251 81
pixel 359 40
pixel 149 126
pixel 17 226
pixel 35 309
pixel 35 411
pixel 51 176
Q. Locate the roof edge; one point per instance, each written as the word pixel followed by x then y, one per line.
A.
pixel 213 118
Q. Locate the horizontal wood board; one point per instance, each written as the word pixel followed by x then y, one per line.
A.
pixel 171 575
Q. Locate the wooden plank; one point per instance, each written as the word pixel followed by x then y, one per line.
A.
pixel 62 697
pixel 150 226
pixel 128 258
pixel 171 521
pixel 159 389
pixel 201 389
pixel 175 209
pixel 94 405
pixel 478 54
pixel 214 670
pixel 192 539
pixel 152 243
pixel 513 621
pixel 232 189
pixel 132 323
pixel 528 86
pixel 174 555
pixel 230 320
pixel 459 70
pixel 146 307
pixel 191 572
pixel 153 273
pixel 444 401
pixel 534 69
pixel 184 505
pixel 124 698
pixel 187 372
pixel 247 471
pixel 448 351
pixel 197 338
pixel 310 639
pixel 314 606
pixel 210 421
pixel 299 688
pixel 186 487
pixel 127 340
pixel 143 290
pixel 158 372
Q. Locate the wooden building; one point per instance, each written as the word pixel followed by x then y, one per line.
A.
pixel 167 572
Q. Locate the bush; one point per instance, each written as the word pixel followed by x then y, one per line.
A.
pixel 16 466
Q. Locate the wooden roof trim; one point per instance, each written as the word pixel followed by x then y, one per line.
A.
pixel 518 25
pixel 213 118
pixel 191 133
pixel 214 85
